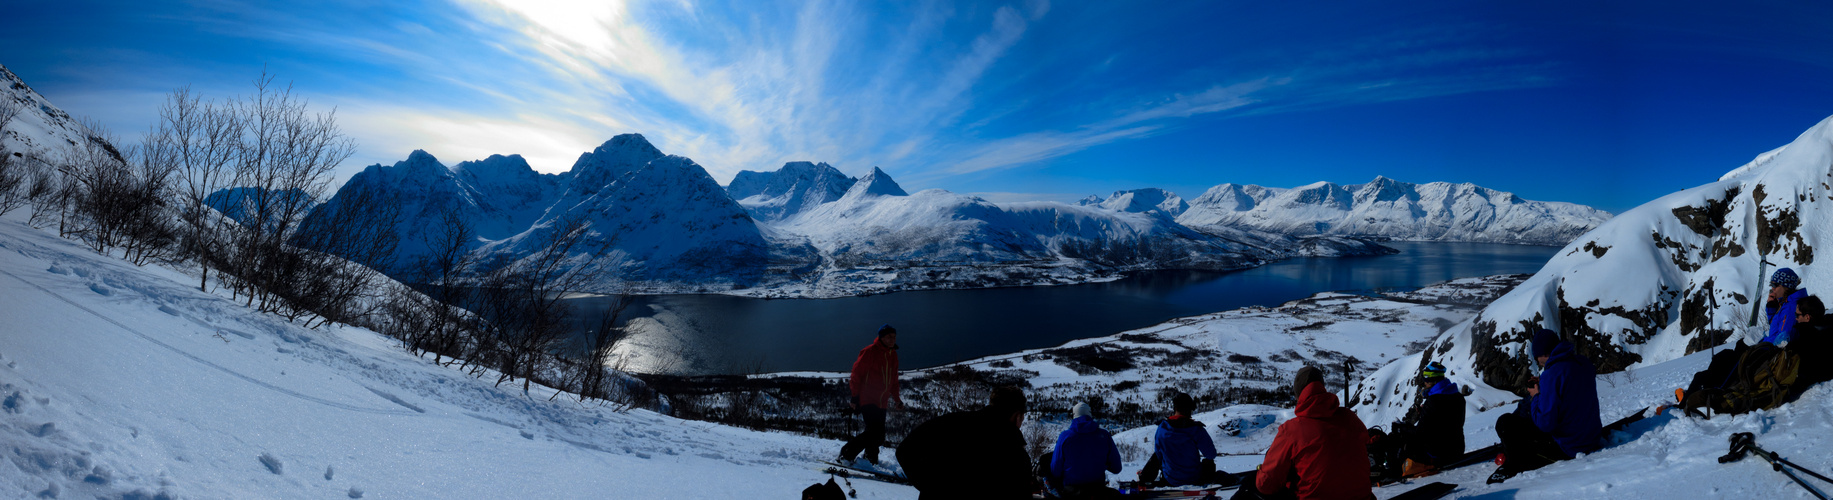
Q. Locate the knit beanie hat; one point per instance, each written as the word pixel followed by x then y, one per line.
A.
pixel 886 330
pixel 1182 403
pixel 1544 340
pixel 1786 278
pixel 1305 377
pixel 1082 410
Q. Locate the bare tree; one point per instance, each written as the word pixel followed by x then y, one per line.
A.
pixel 203 140
pixel 9 110
pixel 283 163
pixel 523 301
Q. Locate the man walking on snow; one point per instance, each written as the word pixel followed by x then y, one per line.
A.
pixel 1559 418
pixel 874 386
pixel 1319 454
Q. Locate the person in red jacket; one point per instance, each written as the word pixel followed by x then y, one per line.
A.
pixel 874 385
pixel 1319 454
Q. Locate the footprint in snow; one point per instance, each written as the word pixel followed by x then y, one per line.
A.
pixel 101 290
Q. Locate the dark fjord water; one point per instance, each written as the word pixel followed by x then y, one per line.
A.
pixel 712 334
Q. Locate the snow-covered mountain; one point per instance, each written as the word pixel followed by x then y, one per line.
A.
pixel 1140 200
pixel 798 186
pixel 803 230
pixel 496 197
pixel 1677 275
pixel 1388 209
pixel 666 220
pixel 39 128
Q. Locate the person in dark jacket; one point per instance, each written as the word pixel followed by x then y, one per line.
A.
pixel 874 387
pixel 1182 450
pixel 1084 455
pixel 1785 293
pixel 971 454
pixel 1318 454
pixel 1559 418
pixel 1435 437
pixel 1810 341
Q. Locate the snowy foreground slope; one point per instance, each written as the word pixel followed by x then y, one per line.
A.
pixel 126 382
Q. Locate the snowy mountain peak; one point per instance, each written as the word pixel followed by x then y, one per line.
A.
pixel 422 164
pixel 1093 199
pixel 1143 200
pixel 1383 189
pixel 611 160
pixel 795 188
pixel 877 183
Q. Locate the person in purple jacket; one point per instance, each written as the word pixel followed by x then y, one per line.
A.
pixel 1084 455
pixel 1559 418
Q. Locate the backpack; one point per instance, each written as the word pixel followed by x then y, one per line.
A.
pixel 1762 380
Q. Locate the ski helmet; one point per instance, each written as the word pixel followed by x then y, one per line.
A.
pixel 1433 370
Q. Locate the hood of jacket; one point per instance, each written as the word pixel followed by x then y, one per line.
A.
pixel 1315 402
pixel 1563 352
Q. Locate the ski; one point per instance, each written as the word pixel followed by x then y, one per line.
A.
pixel 855 472
pixel 1132 489
pixel 1427 492
pixel 1488 453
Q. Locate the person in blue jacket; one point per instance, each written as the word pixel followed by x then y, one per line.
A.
pixel 1182 449
pixel 1559 418
pixel 1785 294
pixel 1085 453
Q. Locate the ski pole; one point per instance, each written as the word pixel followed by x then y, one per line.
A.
pixel 1746 442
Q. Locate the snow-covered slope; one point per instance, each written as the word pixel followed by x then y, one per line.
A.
pixel 1674 276
pixel 126 382
pixel 40 128
pixel 1385 208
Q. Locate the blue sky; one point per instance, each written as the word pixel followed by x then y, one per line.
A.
pixel 1609 104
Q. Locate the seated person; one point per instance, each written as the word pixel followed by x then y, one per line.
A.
pixel 1810 341
pixel 1183 450
pixel 1784 297
pixel 1085 453
pixel 1318 454
pixel 1434 438
pixel 1559 418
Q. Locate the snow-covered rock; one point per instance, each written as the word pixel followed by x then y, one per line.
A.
pixel 1677 275
pixel 1388 209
